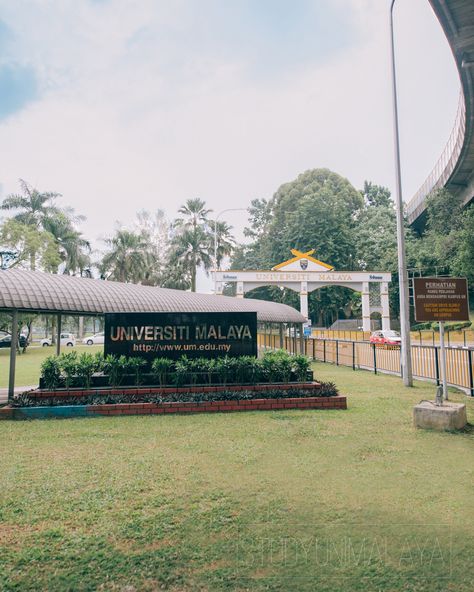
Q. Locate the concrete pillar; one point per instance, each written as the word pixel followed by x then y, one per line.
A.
pixel 11 377
pixel 365 307
pixel 304 299
pixel 240 289
pixel 385 305
pixel 300 325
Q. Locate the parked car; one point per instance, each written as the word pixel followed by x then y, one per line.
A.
pixel 98 338
pixel 67 339
pixel 386 337
pixel 6 340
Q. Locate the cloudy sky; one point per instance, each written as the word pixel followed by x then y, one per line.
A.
pixel 128 104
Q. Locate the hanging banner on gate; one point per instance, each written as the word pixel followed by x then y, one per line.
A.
pixel 441 299
pixel 172 335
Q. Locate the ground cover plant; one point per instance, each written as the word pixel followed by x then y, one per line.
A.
pixel 293 500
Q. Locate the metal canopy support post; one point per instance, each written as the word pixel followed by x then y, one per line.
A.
pixel 58 337
pixel 442 351
pixel 282 345
pixel 301 339
pixel 11 378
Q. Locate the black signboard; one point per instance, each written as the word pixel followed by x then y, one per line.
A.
pixel 441 299
pixel 172 335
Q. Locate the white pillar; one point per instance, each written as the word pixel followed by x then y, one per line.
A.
pixel 304 299
pixel 385 305
pixel 365 307
pixel 240 289
pixel 219 287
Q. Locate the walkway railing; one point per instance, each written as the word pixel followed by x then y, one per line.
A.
pixel 444 166
pixel 386 359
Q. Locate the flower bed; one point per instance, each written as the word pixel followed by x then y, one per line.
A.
pixel 196 394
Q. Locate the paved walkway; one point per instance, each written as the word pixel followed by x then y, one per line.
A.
pixel 18 390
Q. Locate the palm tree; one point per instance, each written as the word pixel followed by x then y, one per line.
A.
pixel 73 249
pixel 127 259
pixel 192 249
pixel 224 240
pixel 195 214
pixel 33 207
pixel 192 243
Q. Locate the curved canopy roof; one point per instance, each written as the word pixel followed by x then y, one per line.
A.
pixel 33 291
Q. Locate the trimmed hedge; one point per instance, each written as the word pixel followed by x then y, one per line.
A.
pixel 70 370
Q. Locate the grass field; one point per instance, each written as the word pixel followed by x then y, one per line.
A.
pixel 28 364
pixel 266 501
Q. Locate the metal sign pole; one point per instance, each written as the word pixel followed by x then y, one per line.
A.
pixel 443 360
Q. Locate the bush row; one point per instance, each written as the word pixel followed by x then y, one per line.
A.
pixel 328 389
pixel 70 370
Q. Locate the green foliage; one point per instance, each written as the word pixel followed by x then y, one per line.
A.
pixel 69 367
pixel 51 372
pixel 86 366
pixel 115 367
pixel 181 371
pixel 276 366
pixel 162 368
pixel 135 366
pixel 99 361
pixel 301 365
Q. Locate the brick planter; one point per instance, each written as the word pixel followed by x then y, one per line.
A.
pixel 74 393
pixel 64 411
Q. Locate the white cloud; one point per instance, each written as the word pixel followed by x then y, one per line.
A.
pixel 122 126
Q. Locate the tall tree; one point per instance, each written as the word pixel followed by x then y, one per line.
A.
pixel 193 240
pixel 224 239
pixel 32 207
pixel 73 250
pixel 127 257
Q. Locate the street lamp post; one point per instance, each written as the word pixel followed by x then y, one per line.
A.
pixel 215 238
pixel 407 373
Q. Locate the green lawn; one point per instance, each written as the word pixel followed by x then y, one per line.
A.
pixel 28 364
pixel 265 501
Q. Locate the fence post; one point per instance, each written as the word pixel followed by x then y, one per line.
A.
pixel 375 358
pixel 353 355
pixel 314 348
pixel 471 381
pixel 324 350
pixel 464 337
pixel 337 352
pixel 436 365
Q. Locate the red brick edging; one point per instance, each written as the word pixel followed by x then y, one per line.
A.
pixel 337 402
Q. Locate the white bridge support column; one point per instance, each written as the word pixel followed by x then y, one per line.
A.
pixel 385 305
pixel 304 299
pixel 365 307
pixel 240 290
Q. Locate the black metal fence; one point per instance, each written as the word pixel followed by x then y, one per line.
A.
pixel 368 356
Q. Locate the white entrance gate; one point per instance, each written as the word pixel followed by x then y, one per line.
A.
pixel 303 274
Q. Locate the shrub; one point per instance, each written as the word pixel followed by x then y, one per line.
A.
pixel 276 366
pixel 51 372
pixel 162 368
pixel 135 365
pixel 85 368
pixel 181 371
pixel 116 368
pixel 225 369
pixel 68 364
pixel 301 366
pixel 99 362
